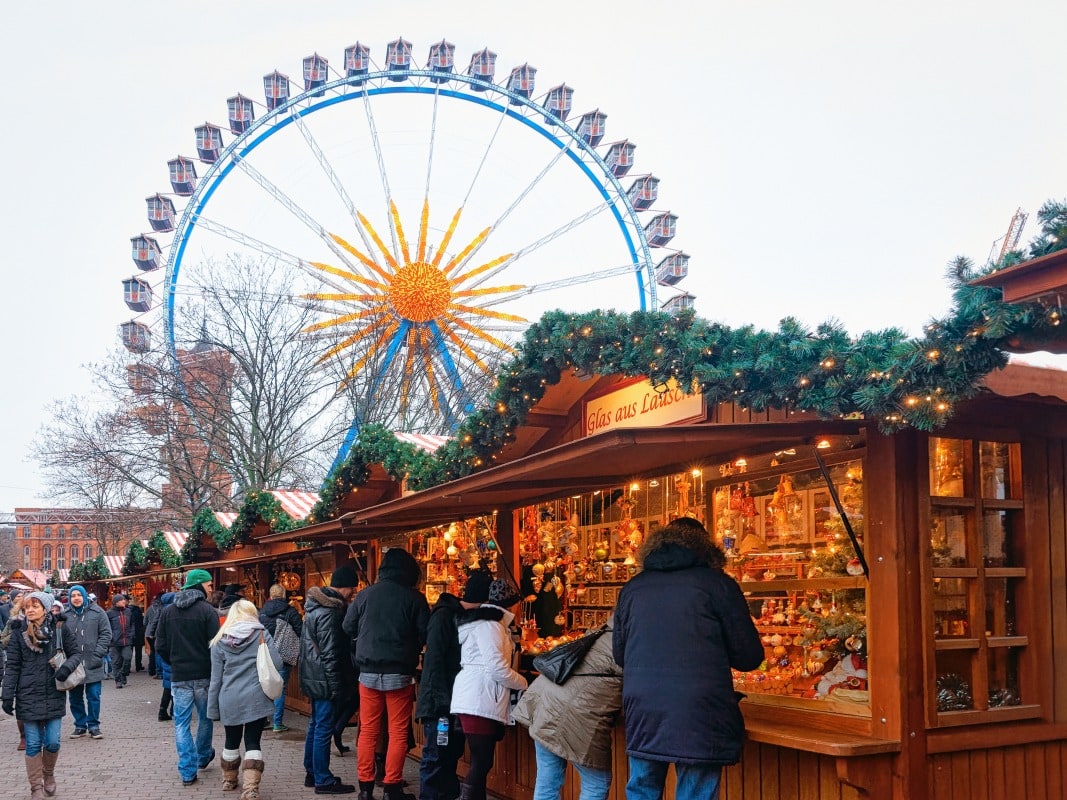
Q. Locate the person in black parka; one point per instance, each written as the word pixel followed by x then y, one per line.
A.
pixel 680 625
pixel 29 690
pixel 277 607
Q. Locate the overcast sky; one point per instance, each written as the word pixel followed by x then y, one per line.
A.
pixel 825 159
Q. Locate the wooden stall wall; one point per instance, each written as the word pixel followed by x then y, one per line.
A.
pixel 1037 770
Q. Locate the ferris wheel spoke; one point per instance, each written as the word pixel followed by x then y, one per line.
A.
pixel 485 157
pixel 460 263
pixel 433 143
pixel 260 246
pixel 532 247
pixel 334 178
pixel 450 369
pixel 383 175
pixel 574 280
pixel 294 208
pixel 482 332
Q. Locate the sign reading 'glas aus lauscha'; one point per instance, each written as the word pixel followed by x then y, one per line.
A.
pixel 639 405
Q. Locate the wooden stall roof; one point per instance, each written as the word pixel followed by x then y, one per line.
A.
pixel 605 459
pixel 1036 279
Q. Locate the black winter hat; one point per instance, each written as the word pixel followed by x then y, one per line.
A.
pixel 477 588
pixel 344 577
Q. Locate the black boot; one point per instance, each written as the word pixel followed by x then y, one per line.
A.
pixel 379 769
pixel 394 791
pixel 165 706
pixel 366 790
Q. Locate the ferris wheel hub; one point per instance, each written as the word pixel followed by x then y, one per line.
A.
pixel 420 292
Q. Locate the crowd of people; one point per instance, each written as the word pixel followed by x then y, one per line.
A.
pixel 381 655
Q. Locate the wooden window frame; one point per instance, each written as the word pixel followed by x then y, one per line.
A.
pixel 976 573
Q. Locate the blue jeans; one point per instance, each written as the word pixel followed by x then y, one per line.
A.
pixel 79 695
pixel 437 769
pixel 317 741
pixel 551 770
pixel 189 695
pixel 279 704
pixel 694 781
pixel 42 733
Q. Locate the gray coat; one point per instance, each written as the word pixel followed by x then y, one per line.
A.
pixel 234 695
pixel 92 630
pixel 575 720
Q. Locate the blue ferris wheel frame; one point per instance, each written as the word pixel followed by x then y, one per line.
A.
pixel 283 116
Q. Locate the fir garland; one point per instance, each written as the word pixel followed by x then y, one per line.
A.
pixel 159 550
pixel 881 375
pixel 93 569
pixel 258 505
pixel 136 559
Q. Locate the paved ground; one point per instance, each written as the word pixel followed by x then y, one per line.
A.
pixel 136 759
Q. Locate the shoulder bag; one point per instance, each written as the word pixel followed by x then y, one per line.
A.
pixel 559 663
pixel 270 681
pixel 287 642
pixel 76 677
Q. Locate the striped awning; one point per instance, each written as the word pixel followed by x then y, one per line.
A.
pixel 114 565
pixel 423 441
pixel 176 539
pixel 225 518
pixel 296 504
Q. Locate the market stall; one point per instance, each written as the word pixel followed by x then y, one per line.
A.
pixel 903 585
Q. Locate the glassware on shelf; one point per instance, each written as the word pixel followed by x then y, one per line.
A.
pixel 949 536
pixel 995 459
pixel 948 464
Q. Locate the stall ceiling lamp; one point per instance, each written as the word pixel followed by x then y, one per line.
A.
pixel 635 487
pixel 823 444
pixel 741 463
pixel 653 483
pixel 696 473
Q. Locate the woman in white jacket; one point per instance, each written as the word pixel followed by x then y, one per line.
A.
pixel 481 695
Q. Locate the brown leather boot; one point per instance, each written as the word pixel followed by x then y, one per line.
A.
pixel 48 771
pixel 230 778
pixel 35 773
pixel 251 774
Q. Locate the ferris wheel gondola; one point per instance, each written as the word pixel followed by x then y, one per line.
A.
pixel 434 212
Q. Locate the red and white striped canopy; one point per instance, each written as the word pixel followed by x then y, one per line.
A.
pixel 423 441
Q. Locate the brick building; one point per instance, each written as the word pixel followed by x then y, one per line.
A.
pixel 49 539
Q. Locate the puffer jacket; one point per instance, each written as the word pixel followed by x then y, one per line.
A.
pixel 275 609
pixel 486 677
pixel 326 671
pixel 680 625
pixel 234 695
pixel 29 679
pixel 387 621
pixel 441 661
pixel 92 630
pixel 575 720
pixel 185 628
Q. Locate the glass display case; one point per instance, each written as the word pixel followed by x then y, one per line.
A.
pixel 977 573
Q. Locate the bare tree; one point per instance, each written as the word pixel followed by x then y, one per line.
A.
pixel 250 395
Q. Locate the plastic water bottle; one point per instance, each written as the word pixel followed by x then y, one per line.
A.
pixel 442 731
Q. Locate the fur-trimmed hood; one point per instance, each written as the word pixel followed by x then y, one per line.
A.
pixel 324 596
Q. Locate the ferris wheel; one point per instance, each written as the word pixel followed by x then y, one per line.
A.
pixel 433 213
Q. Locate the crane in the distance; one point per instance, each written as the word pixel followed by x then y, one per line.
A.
pixel 1009 240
